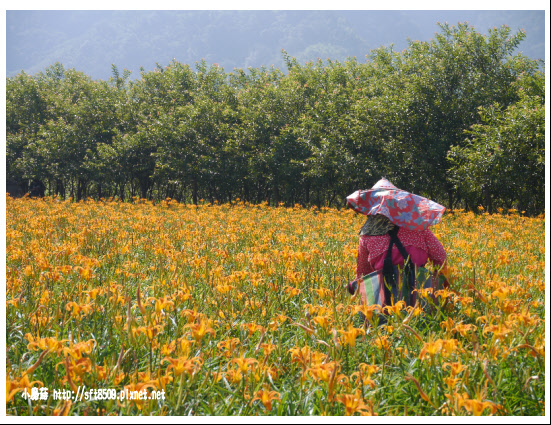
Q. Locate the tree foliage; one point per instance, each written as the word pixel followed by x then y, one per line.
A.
pixel 457 119
pixel 503 159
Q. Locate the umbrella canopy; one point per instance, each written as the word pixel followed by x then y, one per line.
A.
pixel 404 209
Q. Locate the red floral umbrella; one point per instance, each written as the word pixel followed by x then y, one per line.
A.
pixel 404 209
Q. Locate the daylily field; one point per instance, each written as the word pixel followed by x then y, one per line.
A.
pixel 240 310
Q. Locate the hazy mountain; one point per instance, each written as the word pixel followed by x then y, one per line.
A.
pixel 91 41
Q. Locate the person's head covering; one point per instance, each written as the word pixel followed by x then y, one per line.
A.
pixel 384 184
pixel 402 208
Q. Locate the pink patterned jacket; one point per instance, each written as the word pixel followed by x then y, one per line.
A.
pixel 420 245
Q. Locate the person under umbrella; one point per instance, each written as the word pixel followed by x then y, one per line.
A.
pixel 389 211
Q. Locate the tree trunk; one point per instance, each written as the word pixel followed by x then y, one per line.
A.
pixel 72 189
pixel 488 200
pixel 121 195
pixel 318 202
pixel 246 190
pixel 79 190
pixel 194 190
pixel 258 191
pixel 276 195
pixel 60 188
pixel 144 186
pixel 332 198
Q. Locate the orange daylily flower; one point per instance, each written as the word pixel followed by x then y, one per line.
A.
pixel 455 368
pixel 201 329
pixel 77 350
pixel 149 331
pixel 234 375
pixel 367 310
pixel 52 344
pixel 226 347
pixel 137 388
pixel 244 364
pixel 78 311
pixel 64 409
pixel 16 385
pixel 395 309
pixel 184 365
pixel 253 327
pixel 305 356
pixel 349 336
pixel 353 403
pixel 266 397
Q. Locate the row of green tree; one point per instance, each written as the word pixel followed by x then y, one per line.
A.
pixel 458 119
